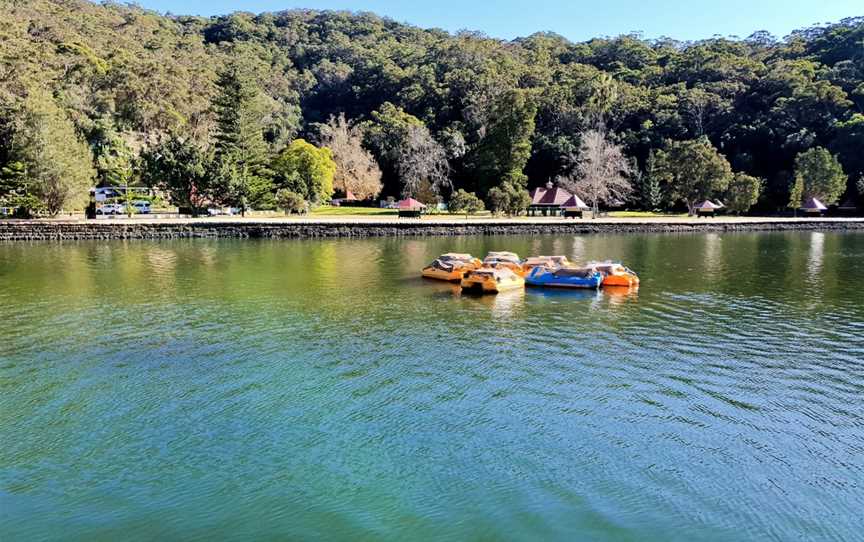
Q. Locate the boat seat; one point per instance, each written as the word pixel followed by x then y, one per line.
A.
pixel 579 273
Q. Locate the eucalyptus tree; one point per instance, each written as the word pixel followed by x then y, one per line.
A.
pixel 602 171
pixel 691 171
pixel 422 163
pixel 357 171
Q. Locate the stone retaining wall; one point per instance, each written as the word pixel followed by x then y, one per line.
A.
pixel 11 230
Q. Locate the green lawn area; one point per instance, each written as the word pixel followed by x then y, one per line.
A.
pixel 352 211
pixel 374 211
pixel 644 214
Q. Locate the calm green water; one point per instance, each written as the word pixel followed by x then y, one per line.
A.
pixel 260 390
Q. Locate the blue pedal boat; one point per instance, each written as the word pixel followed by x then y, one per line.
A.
pixel 564 277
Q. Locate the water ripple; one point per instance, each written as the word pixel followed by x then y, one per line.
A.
pixel 229 390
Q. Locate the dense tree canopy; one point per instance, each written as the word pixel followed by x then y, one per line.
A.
pixel 178 167
pixel 307 170
pixel 55 161
pixel 692 171
pixel 743 193
pixel 819 175
pixel 488 114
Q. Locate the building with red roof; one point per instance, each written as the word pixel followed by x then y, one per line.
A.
pixel 553 200
pixel 410 208
pixel 410 203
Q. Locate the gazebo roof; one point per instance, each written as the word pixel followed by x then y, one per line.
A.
pixel 814 204
pixel 410 203
pixel 551 195
pixel 707 204
pixel 574 202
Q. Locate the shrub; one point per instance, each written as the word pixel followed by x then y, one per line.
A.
pixel 291 202
pixel 465 202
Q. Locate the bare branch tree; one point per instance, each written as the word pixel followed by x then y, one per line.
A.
pixel 356 169
pixel 601 171
pixel 422 161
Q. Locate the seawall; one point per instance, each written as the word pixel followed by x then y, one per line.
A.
pixel 50 230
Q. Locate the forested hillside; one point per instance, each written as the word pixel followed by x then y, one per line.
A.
pixel 217 107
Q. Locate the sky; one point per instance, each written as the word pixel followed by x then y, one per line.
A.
pixel 577 20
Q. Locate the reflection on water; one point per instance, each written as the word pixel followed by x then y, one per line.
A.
pixel 620 295
pixel 441 289
pixel 817 253
pixel 713 258
pixel 322 389
pixel 503 305
pixel 578 252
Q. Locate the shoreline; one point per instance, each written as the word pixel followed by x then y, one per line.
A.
pixel 287 228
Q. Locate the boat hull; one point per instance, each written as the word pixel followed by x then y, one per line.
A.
pixel 615 274
pixel 620 281
pixel 490 286
pixel 542 278
pixel 439 274
pixel 517 269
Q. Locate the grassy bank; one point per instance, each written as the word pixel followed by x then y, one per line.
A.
pixel 349 212
pixel 352 211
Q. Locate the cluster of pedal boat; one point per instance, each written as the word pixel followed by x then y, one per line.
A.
pixel 502 271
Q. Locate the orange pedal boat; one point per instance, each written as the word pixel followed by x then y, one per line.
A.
pixel 616 274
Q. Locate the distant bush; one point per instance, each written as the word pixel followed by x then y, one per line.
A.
pixel 291 202
pixel 465 202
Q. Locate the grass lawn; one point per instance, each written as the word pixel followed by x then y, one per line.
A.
pixel 375 211
pixel 644 214
pixel 352 211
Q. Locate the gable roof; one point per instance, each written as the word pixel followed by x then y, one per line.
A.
pixel 550 196
pixel 574 202
pixel 814 204
pixel 707 205
pixel 410 203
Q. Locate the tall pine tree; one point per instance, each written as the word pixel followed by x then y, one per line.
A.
pixel 240 149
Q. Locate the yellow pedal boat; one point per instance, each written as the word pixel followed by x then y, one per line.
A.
pixel 504 260
pixel 488 280
pixel 451 267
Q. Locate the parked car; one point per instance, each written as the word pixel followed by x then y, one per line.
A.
pixel 227 211
pixel 111 209
pixel 141 207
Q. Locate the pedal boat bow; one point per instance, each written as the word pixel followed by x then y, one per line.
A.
pixel 489 280
pixel 451 267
